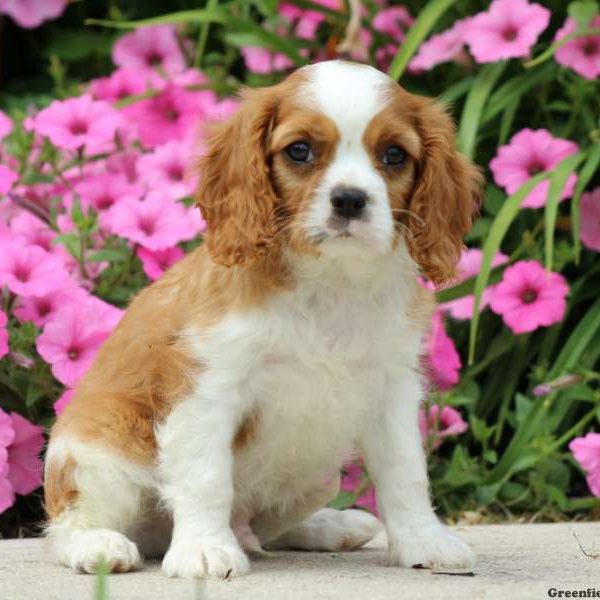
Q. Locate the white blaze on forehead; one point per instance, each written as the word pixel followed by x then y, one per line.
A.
pixel 349 94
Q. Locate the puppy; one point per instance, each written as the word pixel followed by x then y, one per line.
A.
pixel 217 416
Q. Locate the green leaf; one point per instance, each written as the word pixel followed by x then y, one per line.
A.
pixel 514 88
pixel 476 99
pixel 184 16
pixel 558 179
pixel 427 18
pixel 498 230
pixel 585 175
pixel 466 287
pixel 583 12
pixel 343 500
pixel 549 53
pixel 455 91
pixel 108 255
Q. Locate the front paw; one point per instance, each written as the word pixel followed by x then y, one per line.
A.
pixel 432 546
pixel 197 559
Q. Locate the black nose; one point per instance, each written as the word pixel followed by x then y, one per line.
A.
pixel 348 202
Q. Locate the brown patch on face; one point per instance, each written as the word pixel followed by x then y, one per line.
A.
pixel 294 182
pixel 60 491
pixel 394 126
pixel 446 189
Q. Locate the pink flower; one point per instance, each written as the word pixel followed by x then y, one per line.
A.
pixel 443 361
pixel 150 49
pixel 590 220
pixel 103 190
pixel 3 334
pixel 530 152
pixel 7 179
pixel 166 169
pixel 170 115
pixel 41 309
pixel 63 401
pixel 263 62
pixel 581 54
pixel 586 451
pixel 439 423
pixel 80 123
pixel 120 84
pixel 441 48
pixel 33 231
pixel 528 297
pixel 29 270
pixel 20 463
pixel 32 13
pixel 508 29
pixel 155 263
pixel 157 222
pixel 355 481
pixel 6 125
pixel 393 22
pixel 469 266
pixel 72 338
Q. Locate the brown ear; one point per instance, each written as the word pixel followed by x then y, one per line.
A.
pixel 445 197
pixel 235 193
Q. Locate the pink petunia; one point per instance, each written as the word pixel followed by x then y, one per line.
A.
pixel 263 62
pixel 157 222
pixel 438 423
pixel 586 451
pixel 469 266
pixel 582 54
pixel 7 179
pixel 355 481
pixel 443 47
pixel 63 401
pixel 443 360
pixel 103 190
pixel 590 220
pixel 32 13
pixel 166 169
pixel 509 29
pixel 121 84
pixel 6 125
pixel 530 152
pixel 21 443
pixel 150 49
pixel 80 123
pixel 3 334
pixel 528 297
pixel 71 339
pixel 33 231
pixel 156 262
pixel 30 271
pixel 41 309
pixel 394 22
pixel 170 115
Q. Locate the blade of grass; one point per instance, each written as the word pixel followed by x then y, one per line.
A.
pixel 498 230
pixel 466 287
pixel 513 89
pixel 454 92
pixel 184 16
pixel 417 33
pixel 474 104
pixel 558 179
pixel 586 173
pixel 211 6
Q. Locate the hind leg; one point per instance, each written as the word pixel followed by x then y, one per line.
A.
pixel 94 498
pixel 307 525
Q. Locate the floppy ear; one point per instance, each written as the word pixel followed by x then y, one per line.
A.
pixel 235 193
pixel 445 197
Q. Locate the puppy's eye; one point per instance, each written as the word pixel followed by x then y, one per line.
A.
pixel 393 156
pixel 300 152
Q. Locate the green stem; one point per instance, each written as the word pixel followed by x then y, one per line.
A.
pixel 203 35
pixel 548 53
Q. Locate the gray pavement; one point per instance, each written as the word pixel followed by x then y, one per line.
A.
pixel 514 561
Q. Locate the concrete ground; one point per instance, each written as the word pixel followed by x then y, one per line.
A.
pixel 515 561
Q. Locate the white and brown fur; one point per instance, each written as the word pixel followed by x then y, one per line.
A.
pixel 217 416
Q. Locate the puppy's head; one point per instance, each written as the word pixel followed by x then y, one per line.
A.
pixel 338 160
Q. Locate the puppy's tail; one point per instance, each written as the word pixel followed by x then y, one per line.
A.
pixel 330 530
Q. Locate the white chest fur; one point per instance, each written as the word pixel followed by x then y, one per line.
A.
pixel 310 365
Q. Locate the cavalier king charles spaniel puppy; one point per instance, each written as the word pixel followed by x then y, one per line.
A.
pixel 215 419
